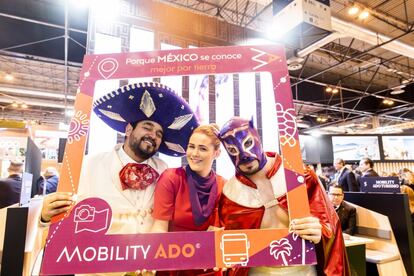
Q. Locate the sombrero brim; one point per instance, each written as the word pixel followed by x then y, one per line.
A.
pixel 150 101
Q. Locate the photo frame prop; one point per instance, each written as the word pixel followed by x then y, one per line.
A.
pixel 77 241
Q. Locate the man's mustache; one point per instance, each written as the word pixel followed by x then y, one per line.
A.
pixel 148 139
pixel 245 160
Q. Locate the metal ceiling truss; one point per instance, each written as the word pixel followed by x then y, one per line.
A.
pixel 240 12
pixel 343 59
pixel 40 75
pixel 382 15
pixel 359 55
pixel 41 22
pixel 353 65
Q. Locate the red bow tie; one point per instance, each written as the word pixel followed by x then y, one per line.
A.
pixel 137 176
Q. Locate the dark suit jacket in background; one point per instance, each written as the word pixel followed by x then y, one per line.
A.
pixel 10 188
pixel 348 181
pixel 370 173
pixel 51 184
pixel 347 216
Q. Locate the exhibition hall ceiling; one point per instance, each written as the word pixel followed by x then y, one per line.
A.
pixel 370 61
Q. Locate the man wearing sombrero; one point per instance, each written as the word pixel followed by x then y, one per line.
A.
pixel 153 119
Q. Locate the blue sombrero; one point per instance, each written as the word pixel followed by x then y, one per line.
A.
pixel 150 101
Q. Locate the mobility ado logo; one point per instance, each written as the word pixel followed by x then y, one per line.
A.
pixel 82 245
pixel 125 252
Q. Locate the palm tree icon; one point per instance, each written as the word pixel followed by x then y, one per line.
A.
pixel 281 248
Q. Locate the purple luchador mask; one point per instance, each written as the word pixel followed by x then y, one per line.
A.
pixel 242 142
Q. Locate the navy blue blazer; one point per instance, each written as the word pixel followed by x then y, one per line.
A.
pixel 10 188
pixel 348 181
pixel 347 216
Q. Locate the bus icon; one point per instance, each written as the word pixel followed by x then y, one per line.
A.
pixel 235 249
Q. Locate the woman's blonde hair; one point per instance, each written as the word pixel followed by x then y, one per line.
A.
pixel 211 131
pixel 409 176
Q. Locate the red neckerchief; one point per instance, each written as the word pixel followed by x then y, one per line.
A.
pixel 137 176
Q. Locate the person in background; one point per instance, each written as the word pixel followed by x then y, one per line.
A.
pixel 366 166
pixel 407 187
pixel 344 176
pixel 186 198
pixel 357 172
pixel 48 183
pixel 393 174
pixel 11 186
pixel 384 174
pixel 255 198
pixel 326 175
pixel 321 177
pixel 346 212
pixel 401 174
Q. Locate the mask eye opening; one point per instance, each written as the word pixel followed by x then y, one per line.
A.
pixel 248 143
pixel 231 149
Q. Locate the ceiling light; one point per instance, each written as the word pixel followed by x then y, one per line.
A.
pixel 82 4
pixel 321 119
pixel 335 90
pixel 106 10
pixel 39 103
pixel 63 126
pixel 23 105
pixel 294 66
pixel 14 104
pixel 9 77
pixel 353 10
pixel 397 91
pixel 316 133
pixel 363 15
pixel 275 31
pixel 328 89
pixel 32 92
pixel 303 125
pixel 70 112
pixel 388 102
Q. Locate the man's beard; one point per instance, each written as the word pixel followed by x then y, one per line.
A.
pixel 141 151
pixel 250 171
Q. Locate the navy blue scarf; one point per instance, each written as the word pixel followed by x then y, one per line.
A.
pixel 203 194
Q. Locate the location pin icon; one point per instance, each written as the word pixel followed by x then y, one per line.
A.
pixel 107 67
